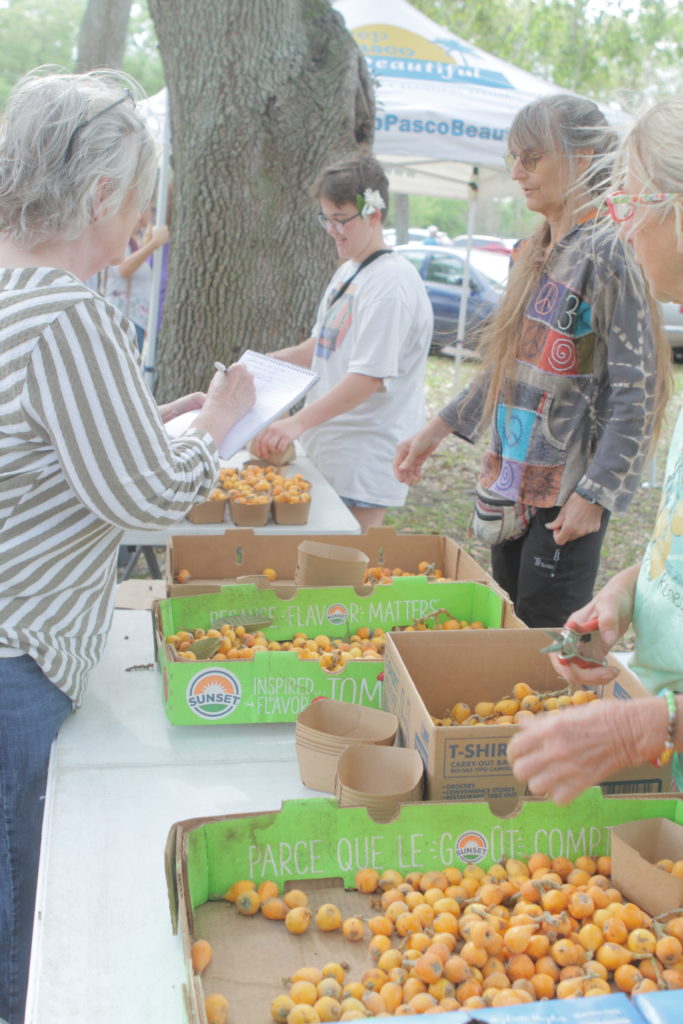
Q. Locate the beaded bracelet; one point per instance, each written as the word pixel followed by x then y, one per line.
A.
pixel 669 745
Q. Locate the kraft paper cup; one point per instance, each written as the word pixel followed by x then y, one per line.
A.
pixel 291 513
pixel 327 727
pixel 249 515
pixel 378 778
pixel 336 720
pixel 321 564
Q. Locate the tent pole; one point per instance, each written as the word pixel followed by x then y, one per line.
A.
pixel 464 295
pixel 401 216
pixel 150 353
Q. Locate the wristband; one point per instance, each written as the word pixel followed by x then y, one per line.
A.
pixel 669 745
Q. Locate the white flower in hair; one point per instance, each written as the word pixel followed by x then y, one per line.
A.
pixel 370 202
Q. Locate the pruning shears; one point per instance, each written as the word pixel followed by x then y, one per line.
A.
pixel 578 644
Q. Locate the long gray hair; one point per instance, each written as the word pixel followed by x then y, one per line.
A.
pixel 575 129
pixel 63 155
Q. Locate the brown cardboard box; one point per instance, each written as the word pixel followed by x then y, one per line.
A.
pixel 426 673
pixel 215 561
pixel 636 847
pixel 316 846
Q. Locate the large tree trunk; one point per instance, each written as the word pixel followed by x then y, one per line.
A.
pixel 263 95
pixel 103 34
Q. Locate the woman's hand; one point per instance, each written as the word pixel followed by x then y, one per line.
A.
pixel 186 403
pixel 613 608
pixel 230 395
pixel 412 454
pixel 576 518
pixel 560 754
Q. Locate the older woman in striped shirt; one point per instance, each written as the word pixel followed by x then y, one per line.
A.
pixel 83 450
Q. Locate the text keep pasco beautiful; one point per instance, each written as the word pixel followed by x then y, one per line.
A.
pixel 455 127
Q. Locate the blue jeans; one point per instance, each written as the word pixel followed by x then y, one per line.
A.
pixel 31 712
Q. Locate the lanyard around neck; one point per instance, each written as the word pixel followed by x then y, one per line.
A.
pixel 366 262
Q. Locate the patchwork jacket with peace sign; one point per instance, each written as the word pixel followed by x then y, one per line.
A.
pixel 577 416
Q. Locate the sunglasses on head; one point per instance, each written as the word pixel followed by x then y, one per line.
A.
pixel 84 124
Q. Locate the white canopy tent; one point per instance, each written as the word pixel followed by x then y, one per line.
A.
pixel 444 106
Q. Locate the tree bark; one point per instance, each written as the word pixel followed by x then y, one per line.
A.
pixel 262 96
pixel 103 34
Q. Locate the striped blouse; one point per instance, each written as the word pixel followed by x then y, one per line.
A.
pixel 83 455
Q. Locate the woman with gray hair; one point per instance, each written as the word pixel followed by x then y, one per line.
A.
pixel 568 380
pixel 83 450
pixel 560 755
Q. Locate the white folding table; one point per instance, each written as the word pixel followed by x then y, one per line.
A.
pixel 328 512
pixel 120 776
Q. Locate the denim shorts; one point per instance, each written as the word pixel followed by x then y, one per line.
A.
pixel 354 503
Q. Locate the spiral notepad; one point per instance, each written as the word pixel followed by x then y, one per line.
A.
pixel 279 386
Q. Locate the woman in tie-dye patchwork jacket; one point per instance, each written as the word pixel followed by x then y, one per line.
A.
pixel 568 383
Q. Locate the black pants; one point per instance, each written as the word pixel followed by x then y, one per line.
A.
pixel 545 582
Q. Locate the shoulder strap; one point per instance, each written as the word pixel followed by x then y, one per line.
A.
pixel 366 263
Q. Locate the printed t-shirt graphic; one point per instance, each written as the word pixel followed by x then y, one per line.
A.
pixel 336 324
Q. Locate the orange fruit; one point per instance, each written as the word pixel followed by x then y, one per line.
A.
pixel 217 1008
pixel 201 954
pixel 297 920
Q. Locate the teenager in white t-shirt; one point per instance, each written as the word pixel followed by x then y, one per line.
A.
pixel 368 345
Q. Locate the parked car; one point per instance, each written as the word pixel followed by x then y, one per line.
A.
pixel 442 269
pixel 488 243
pixel 415 235
pixel 672 317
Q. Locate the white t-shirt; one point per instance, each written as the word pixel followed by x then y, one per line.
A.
pixel 380 327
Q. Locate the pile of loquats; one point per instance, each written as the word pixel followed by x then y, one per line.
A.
pixel 523 702
pixel 259 485
pixel 237 643
pixel 385 574
pixel 449 939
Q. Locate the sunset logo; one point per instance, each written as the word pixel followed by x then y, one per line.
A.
pixel 337 614
pixel 213 693
pixel 471 847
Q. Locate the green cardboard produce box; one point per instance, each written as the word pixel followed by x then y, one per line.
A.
pixel 276 685
pixel 218 561
pixel 316 844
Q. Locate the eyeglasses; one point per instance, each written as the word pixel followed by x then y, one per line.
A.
pixel 528 159
pixel 621 205
pixel 84 124
pixel 336 224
